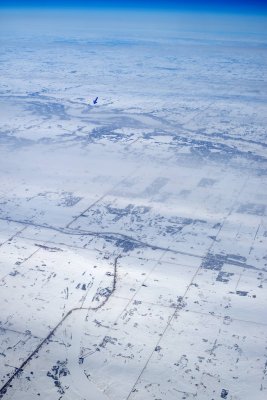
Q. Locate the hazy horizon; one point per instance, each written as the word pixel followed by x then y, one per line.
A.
pixel 242 7
pixel 65 21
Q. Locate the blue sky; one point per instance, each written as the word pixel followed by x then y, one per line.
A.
pixel 244 6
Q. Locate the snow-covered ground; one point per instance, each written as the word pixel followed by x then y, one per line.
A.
pixel 133 232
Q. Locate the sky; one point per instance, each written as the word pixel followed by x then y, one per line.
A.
pixel 206 15
pixel 242 6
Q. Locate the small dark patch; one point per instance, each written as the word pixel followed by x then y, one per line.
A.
pixel 224 276
pixel 212 237
pixel 107 133
pixel 57 372
pixel 206 182
pixel 185 193
pixel 126 245
pixel 102 292
pixel 14 273
pixel 108 339
pixel 251 208
pixel 180 303
pixel 69 200
pixel 172 230
pixel 241 292
pixel 216 261
pixel 178 223
pixel 213 261
pixel 224 393
pixel 155 186
pixel 47 110
pixel 130 210
pixel 235 257
pixel 47 248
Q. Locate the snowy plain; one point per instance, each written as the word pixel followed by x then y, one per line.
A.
pixel 133 232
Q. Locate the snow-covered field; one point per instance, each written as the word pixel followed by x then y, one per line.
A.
pixel 133 232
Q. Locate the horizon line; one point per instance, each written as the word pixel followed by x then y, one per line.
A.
pixel 156 8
